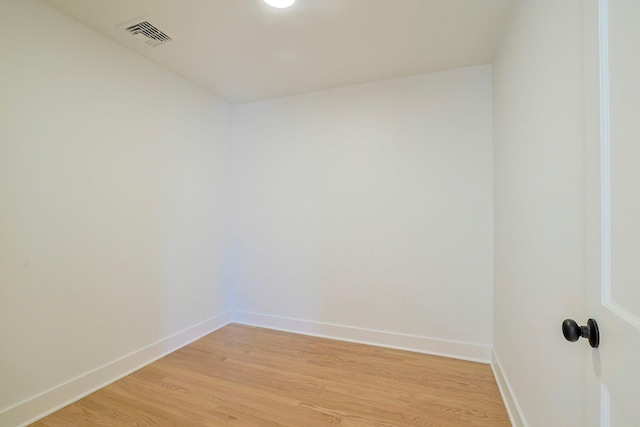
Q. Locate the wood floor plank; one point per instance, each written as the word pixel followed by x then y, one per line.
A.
pixel 247 376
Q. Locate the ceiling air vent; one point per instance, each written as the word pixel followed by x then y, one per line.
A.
pixel 145 31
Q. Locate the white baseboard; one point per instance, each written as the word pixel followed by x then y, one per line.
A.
pixel 420 344
pixel 513 408
pixel 43 404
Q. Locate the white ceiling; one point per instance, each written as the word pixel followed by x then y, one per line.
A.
pixel 244 50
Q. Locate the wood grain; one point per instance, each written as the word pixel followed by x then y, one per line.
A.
pixel 247 376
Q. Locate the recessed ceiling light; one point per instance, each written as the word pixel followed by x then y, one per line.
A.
pixel 280 4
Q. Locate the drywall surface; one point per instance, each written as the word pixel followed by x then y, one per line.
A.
pixel 539 209
pixel 114 195
pixel 369 207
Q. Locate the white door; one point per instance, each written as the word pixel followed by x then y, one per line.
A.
pixel 612 117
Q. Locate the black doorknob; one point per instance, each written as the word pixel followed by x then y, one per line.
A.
pixel 572 332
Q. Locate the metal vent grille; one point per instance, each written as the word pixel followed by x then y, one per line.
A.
pixel 146 32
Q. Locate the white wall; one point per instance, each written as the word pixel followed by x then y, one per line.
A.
pixel 539 210
pixel 369 206
pixel 114 204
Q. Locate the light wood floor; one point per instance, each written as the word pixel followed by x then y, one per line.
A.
pixel 247 376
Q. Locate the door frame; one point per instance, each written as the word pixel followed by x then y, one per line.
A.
pixel 596 147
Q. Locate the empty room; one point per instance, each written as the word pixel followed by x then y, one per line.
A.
pixel 319 212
